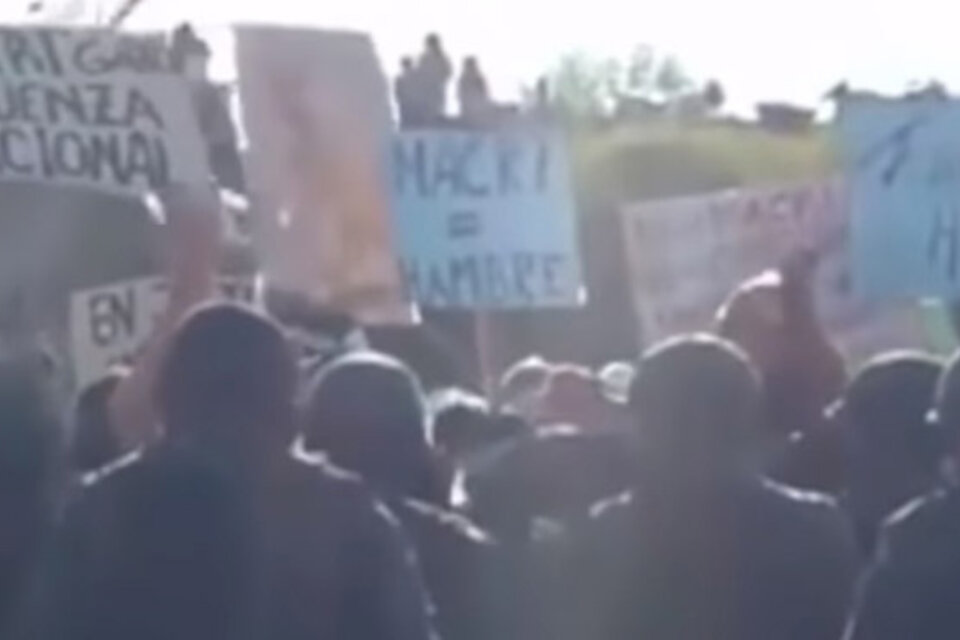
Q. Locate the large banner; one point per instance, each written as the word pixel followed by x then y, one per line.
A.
pixel 902 159
pixel 316 112
pixel 486 220
pixel 109 325
pixel 686 255
pixel 94 108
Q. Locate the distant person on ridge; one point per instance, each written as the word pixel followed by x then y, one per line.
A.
pixel 434 71
pixel 473 93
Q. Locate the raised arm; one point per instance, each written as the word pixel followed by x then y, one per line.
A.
pixel 192 256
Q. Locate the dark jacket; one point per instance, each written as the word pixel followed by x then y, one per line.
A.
pixel 913 589
pixel 168 546
pixel 460 565
pixel 741 560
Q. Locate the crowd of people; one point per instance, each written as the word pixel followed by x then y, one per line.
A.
pixel 422 86
pixel 244 481
pixel 737 484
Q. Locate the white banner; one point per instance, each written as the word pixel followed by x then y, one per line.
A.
pixel 109 325
pixel 686 255
pixel 94 108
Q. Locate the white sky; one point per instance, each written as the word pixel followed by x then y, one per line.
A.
pixel 758 49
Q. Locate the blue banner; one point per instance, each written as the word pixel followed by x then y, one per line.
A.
pixel 485 220
pixel 902 162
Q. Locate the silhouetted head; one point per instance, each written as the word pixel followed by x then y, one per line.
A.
pixel 229 381
pixel 522 384
pixel 366 411
pixel 406 64
pixel 947 401
pixel 461 422
pixel 470 65
pixel 886 405
pixel 432 43
pixel 93 442
pixel 695 399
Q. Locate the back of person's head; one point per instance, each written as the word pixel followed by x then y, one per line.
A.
pixel 366 411
pixel 947 400
pixel 229 380
pixel 695 399
pixel 522 383
pixel 887 403
pixel 461 421
pixel 93 443
pixel 432 42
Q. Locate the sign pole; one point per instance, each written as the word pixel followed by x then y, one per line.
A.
pixel 483 343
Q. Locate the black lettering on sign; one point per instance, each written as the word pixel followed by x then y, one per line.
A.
pixel 20 53
pixel 543 166
pixel 487 280
pixel 128 158
pixel 943 251
pixel 524 276
pixel 509 155
pixel 463 224
pixel 112 316
pixel 410 165
pixel 553 265
pixel 466 282
pixel 452 164
pixel 66 104
pixel 14 145
pixel 48 39
pixel 101 54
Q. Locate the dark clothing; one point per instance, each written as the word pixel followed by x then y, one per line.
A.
pixel 170 546
pixel 911 591
pixel 742 560
pixel 459 562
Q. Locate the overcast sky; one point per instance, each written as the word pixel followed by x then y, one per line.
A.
pixel 759 49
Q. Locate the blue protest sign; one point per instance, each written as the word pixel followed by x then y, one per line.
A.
pixel 902 161
pixel 485 220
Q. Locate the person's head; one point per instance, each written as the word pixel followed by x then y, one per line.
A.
pixel 695 400
pixel 366 411
pixel 28 432
pixel 229 381
pixel 190 55
pixel 406 64
pixel 521 385
pixel 471 66
pixel 461 422
pixel 753 319
pixel 573 396
pixel 886 406
pixel 94 443
pixel 432 43
pixel 946 413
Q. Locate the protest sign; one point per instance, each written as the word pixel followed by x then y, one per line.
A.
pixel 485 220
pixel 316 112
pixel 686 255
pixel 94 108
pixel 109 325
pixel 902 161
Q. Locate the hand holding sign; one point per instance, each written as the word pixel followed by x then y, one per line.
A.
pixel 193 216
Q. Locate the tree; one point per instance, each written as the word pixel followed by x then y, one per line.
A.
pixel 587 86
